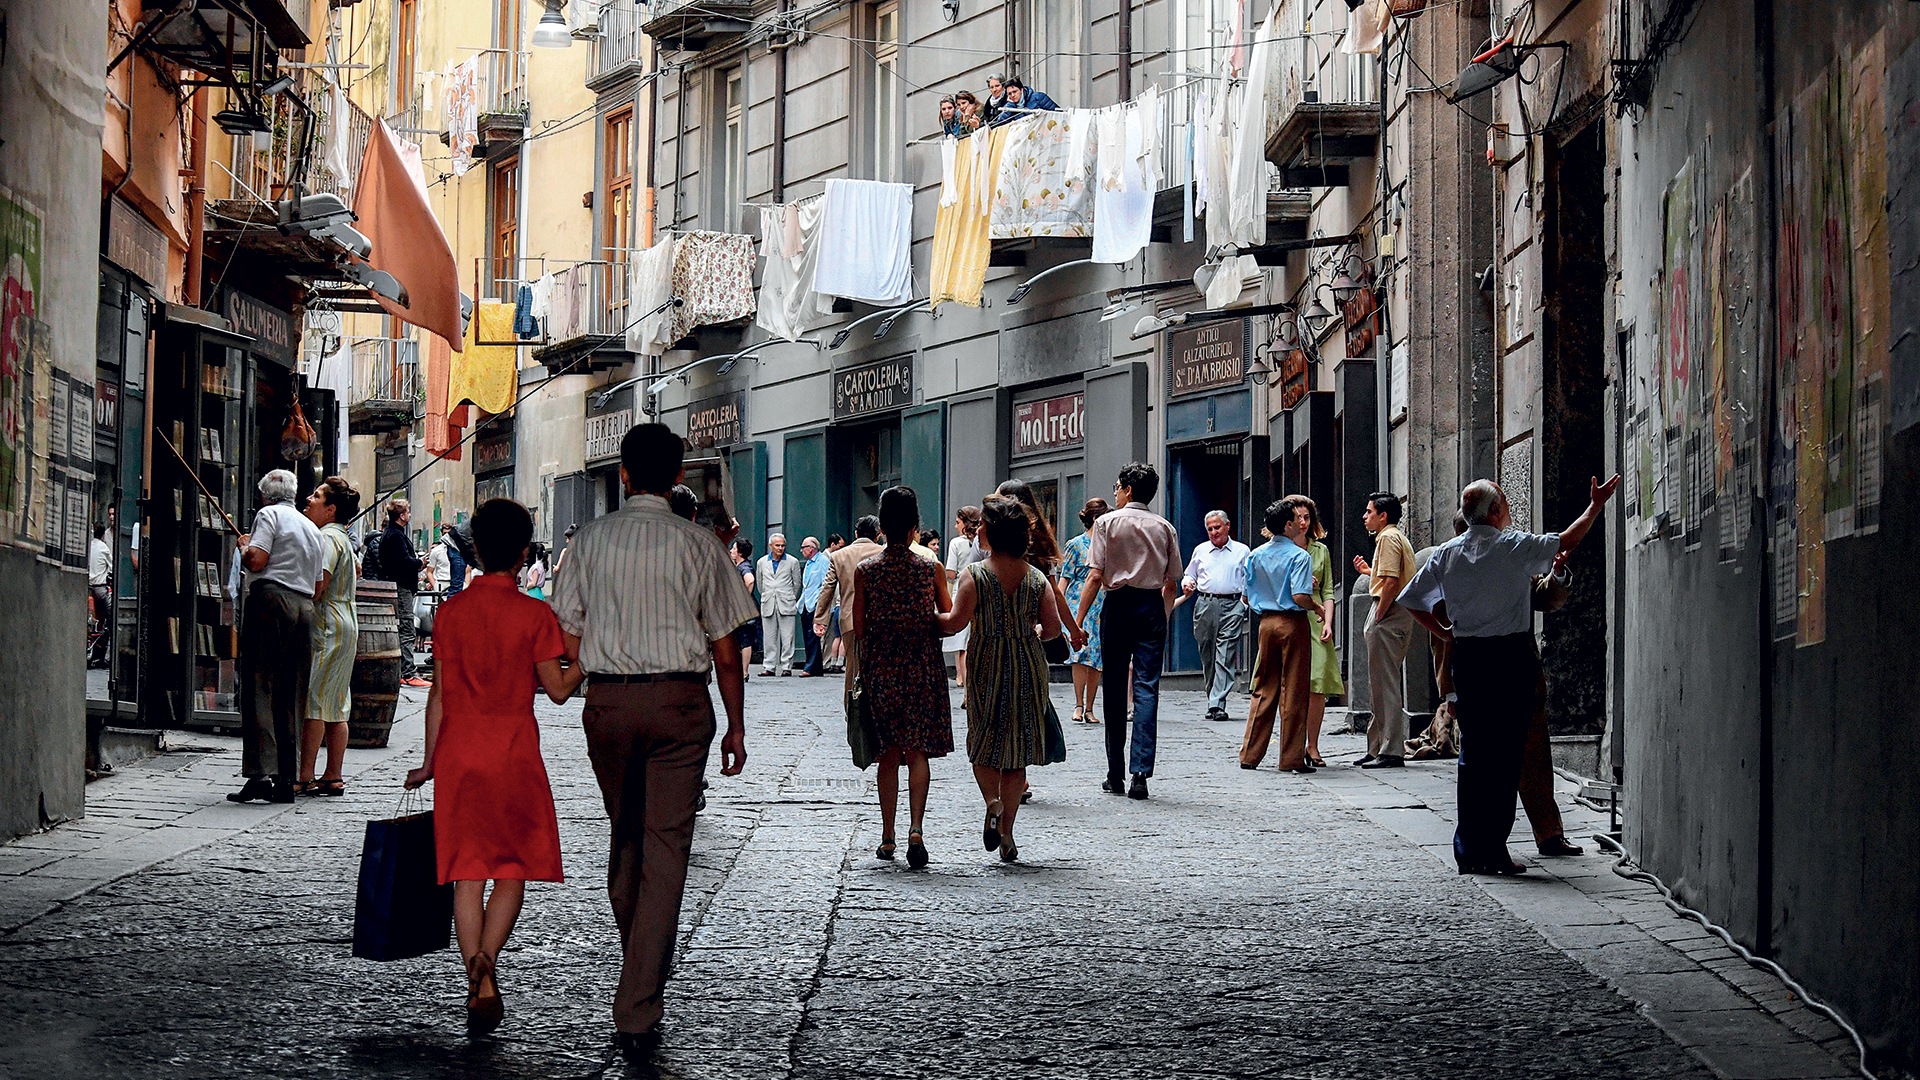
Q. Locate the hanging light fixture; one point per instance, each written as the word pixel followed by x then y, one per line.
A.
pixel 552 31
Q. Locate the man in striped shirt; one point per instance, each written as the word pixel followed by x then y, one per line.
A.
pixel 649 604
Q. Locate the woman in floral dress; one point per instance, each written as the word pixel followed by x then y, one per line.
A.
pixel 1073 578
pixel 1003 599
pixel 903 680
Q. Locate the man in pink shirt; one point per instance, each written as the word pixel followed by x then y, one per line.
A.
pixel 1135 555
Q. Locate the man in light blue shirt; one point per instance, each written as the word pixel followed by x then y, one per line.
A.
pixel 810 584
pixel 1280 590
pixel 1476 591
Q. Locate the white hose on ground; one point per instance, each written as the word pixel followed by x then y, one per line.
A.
pixel 1619 863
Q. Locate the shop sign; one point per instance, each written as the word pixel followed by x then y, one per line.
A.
pixel 1212 356
pixel 872 388
pixel 1293 378
pixel 389 471
pixel 134 245
pixel 1362 315
pixel 493 453
pixel 1050 424
pixel 720 420
pixel 270 328
pixel 607 425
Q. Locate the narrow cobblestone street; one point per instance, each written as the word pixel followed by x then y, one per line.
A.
pixel 1236 924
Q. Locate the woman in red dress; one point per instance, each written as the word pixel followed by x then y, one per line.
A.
pixel 494 647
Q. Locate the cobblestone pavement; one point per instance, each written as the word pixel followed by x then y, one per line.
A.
pixel 1236 924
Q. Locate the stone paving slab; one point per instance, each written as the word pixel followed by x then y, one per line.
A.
pixel 1238 923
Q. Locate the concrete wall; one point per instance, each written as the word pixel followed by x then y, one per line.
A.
pixel 52 81
pixel 1766 770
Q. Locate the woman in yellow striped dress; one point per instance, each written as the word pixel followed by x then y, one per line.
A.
pixel 336 637
pixel 1003 599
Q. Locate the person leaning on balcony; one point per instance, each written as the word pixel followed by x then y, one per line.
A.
pixel 1021 102
pixel 966 112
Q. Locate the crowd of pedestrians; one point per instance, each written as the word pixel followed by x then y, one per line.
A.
pixel 654 603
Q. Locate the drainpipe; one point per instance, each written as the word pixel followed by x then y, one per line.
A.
pixel 1763 832
pixel 1125 48
pixel 196 199
pixel 780 113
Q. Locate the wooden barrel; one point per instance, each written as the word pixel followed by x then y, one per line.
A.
pixel 376 672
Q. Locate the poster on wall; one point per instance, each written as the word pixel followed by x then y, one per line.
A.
pixel 1676 368
pixel 20 241
pixel 1872 276
pixel 1902 134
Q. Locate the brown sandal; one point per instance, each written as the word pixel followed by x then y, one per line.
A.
pixel 484 1012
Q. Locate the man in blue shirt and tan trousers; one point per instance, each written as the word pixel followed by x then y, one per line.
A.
pixel 1279 592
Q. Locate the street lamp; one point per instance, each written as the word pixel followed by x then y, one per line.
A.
pixel 1021 290
pixel 845 332
pixel 1153 324
pixel 552 32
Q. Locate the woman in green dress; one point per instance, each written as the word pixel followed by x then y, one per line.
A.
pixel 336 637
pixel 1001 600
pixel 1326 661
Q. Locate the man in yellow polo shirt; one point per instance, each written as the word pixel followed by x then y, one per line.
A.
pixel 1389 631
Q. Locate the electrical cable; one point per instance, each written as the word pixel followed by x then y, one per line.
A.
pixel 1640 874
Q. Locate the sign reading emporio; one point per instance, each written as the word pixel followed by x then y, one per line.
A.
pixel 871 388
pixel 1206 357
pixel 1049 424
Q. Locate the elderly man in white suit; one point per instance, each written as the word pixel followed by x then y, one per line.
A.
pixel 780 577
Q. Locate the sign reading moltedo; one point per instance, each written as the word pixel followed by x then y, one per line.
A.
pixel 871 388
pixel 1050 424
pixel 1206 357
pixel 717 421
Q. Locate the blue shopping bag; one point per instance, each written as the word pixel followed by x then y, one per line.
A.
pixel 402 910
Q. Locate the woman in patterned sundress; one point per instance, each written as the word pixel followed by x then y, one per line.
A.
pixel 336 636
pixel 1074 570
pixel 1002 600
pixel 903 680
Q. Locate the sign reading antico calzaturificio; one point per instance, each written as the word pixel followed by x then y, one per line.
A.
pixel 1206 357
pixel 871 388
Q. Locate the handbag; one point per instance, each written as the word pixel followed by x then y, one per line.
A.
pixel 1056 738
pixel 402 910
pixel 1058 650
pixel 862 737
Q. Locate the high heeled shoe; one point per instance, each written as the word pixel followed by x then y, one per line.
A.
pixel 1009 851
pixel 990 834
pixel 484 1011
pixel 916 850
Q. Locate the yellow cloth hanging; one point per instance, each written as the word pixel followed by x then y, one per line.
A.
pixel 960 242
pixel 487 374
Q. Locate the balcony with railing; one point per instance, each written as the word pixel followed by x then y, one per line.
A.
pixel 387 391
pixel 1326 101
pixel 697 24
pixel 502 122
pixel 1287 204
pixel 618 43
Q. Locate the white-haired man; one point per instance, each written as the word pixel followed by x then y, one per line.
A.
pixel 1476 591
pixel 1218 573
pixel 282 557
pixel 781 578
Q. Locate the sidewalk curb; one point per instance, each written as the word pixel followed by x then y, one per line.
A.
pixel 1736 1020
pixel 75 858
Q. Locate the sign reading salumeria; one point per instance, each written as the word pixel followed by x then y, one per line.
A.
pixel 871 388
pixel 1207 357
pixel 1049 424
pixel 270 328
pixel 720 420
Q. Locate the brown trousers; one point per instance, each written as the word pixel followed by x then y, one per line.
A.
pixel 1282 671
pixel 1536 761
pixel 648 743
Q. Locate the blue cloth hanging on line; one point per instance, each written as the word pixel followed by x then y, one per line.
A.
pixel 524 324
